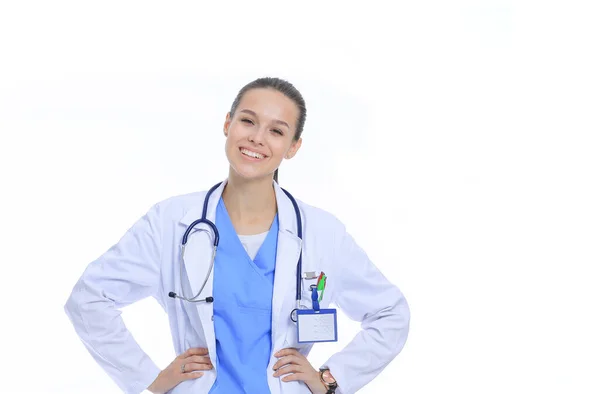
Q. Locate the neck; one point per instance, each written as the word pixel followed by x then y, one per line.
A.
pixel 249 201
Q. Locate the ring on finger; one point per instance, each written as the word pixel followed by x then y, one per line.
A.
pixel 182 368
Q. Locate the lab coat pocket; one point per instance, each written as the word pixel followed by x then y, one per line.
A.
pixel 306 283
pixel 306 301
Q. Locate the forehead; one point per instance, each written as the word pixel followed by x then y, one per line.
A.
pixel 270 104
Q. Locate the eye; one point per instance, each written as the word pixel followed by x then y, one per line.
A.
pixel 278 131
pixel 248 121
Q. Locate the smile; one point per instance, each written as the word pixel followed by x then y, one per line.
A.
pixel 249 153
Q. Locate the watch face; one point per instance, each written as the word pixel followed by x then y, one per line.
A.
pixel 328 378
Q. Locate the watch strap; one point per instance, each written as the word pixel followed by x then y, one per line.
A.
pixel 331 387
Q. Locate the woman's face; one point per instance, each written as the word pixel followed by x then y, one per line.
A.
pixel 261 133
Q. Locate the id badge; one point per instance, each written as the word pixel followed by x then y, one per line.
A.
pixel 317 326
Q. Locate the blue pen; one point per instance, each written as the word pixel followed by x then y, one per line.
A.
pixel 315 298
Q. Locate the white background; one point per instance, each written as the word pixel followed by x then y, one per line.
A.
pixel 458 141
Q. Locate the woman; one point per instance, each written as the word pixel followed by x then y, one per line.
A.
pixel 240 334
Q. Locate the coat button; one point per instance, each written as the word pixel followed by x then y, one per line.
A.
pixel 212 318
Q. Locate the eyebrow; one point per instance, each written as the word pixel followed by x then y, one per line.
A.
pixel 254 114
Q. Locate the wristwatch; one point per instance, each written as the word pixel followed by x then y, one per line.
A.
pixel 328 380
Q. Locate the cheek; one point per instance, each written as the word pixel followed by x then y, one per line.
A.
pixel 234 130
pixel 230 147
pixel 232 136
pixel 282 147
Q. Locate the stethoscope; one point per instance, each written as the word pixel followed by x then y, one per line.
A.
pixel 212 226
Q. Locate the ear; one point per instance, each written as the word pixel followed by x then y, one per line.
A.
pixel 294 149
pixel 227 124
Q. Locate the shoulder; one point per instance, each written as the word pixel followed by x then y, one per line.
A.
pixel 176 207
pixel 321 219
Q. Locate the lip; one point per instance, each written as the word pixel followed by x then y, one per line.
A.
pixel 252 150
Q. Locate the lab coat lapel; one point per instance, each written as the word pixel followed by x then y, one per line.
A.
pixel 198 254
pixel 288 251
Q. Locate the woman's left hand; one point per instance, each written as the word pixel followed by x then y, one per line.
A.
pixel 292 362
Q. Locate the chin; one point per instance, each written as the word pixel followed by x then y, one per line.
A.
pixel 251 175
pixel 243 169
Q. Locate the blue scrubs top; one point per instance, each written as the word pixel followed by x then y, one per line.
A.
pixel 243 291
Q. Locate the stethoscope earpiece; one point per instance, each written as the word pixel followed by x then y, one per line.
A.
pixel 172 294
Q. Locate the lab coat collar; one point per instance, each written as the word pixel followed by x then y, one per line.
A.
pixel 285 209
pixel 195 212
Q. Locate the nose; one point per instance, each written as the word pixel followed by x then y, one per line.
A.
pixel 258 135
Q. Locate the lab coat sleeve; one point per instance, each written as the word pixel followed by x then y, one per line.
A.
pixel 129 271
pixel 365 295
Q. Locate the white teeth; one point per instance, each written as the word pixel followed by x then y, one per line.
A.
pixel 252 154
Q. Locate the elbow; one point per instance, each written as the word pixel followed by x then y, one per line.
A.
pixel 402 312
pixel 75 308
pixel 389 327
pixel 71 309
pixel 397 324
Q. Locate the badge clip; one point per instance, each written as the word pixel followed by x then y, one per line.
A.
pixel 309 275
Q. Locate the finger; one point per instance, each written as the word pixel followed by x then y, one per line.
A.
pixel 288 360
pixel 197 359
pixel 287 352
pixel 296 376
pixel 193 367
pixel 291 368
pixel 199 351
pixel 191 375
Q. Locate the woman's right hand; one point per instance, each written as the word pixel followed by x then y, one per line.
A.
pixel 194 360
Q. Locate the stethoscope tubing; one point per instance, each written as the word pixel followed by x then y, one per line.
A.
pixel 215 231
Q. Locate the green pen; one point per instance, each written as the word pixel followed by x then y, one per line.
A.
pixel 321 285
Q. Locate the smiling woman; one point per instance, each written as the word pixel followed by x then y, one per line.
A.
pixel 280 110
pixel 243 331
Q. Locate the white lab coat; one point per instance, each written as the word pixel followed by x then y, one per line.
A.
pixel 146 262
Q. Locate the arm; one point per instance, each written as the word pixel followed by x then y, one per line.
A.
pixel 365 295
pixel 129 271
